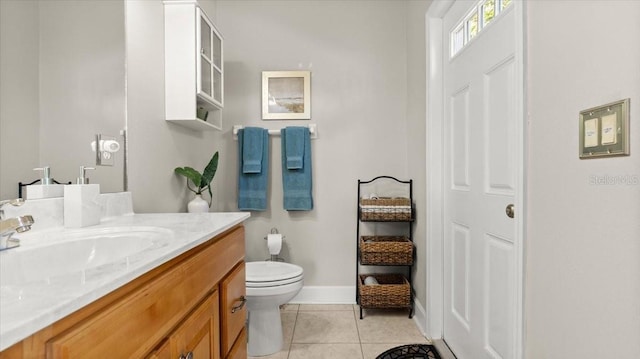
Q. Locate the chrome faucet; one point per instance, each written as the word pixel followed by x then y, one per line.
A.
pixel 10 226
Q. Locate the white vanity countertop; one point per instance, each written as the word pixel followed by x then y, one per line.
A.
pixel 26 307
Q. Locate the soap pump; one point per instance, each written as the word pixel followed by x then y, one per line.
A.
pixel 46 175
pixel 81 202
pixel 47 188
pixel 83 175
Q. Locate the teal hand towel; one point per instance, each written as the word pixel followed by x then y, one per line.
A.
pixel 295 146
pixel 252 150
pixel 296 183
pixel 252 187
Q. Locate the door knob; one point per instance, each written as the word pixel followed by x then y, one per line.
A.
pixel 510 210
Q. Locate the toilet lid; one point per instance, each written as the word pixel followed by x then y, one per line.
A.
pixel 260 274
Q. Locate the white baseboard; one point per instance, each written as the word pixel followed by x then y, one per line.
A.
pixel 325 295
pixel 420 317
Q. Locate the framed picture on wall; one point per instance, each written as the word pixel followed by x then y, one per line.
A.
pixel 286 95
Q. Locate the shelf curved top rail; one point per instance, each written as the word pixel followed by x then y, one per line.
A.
pixel 381 177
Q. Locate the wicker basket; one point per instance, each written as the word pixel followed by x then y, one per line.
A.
pixel 386 250
pixel 386 201
pixel 393 291
pixel 385 209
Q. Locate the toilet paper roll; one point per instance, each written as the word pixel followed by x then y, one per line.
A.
pixel 274 243
pixel 371 281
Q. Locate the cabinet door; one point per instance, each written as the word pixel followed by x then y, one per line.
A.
pixel 205 56
pixel 217 64
pixel 239 349
pixel 161 352
pixel 199 333
pixel 210 61
pixel 233 310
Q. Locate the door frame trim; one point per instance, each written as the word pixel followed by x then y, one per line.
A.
pixel 435 170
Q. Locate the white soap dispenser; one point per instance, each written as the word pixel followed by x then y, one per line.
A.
pixel 81 203
pixel 46 188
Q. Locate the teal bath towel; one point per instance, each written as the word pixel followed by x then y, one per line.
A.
pixel 252 187
pixel 252 150
pixel 296 182
pixel 295 146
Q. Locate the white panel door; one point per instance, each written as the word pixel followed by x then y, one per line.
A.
pixel 480 181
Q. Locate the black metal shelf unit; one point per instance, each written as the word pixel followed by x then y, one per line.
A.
pixel 399 296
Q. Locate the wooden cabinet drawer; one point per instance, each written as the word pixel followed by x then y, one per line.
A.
pixel 132 326
pixel 232 307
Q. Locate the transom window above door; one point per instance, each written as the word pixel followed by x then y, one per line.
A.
pixel 476 20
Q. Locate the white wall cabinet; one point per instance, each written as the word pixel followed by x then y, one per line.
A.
pixel 194 75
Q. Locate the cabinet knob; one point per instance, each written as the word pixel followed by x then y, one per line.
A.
pixel 189 355
pixel 243 301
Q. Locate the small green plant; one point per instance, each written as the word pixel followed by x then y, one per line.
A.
pixel 200 181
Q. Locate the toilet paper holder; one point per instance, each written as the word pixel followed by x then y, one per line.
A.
pixel 274 230
pixel 274 257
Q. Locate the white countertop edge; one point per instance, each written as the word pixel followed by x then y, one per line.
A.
pixel 15 334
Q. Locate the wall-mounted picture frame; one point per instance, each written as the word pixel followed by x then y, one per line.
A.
pixel 286 95
pixel 604 130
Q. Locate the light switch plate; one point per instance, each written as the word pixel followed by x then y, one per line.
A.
pixel 604 130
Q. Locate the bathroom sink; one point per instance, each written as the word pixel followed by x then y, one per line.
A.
pixel 78 256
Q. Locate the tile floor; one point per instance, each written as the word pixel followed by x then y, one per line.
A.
pixel 336 332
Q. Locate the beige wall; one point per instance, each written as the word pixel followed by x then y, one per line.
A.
pixel 19 95
pixel 82 87
pixel 416 133
pixel 357 54
pixel 156 147
pixel 62 81
pixel 361 79
pixel 582 294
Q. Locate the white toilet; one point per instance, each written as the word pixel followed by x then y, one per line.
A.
pixel 269 285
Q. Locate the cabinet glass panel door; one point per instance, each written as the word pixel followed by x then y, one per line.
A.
pixel 205 38
pixel 210 62
pixel 217 85
pixel 217 50
pixel 205 77
pixel 217 66
pixel 205 80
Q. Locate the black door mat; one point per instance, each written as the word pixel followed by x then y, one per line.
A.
pixel 411 351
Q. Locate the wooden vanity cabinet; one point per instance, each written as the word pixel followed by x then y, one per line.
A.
pixel 170 311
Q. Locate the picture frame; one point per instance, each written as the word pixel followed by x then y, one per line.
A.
pixel 604 130
pixel 286 95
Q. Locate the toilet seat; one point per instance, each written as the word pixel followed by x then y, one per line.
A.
pixel 271 274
